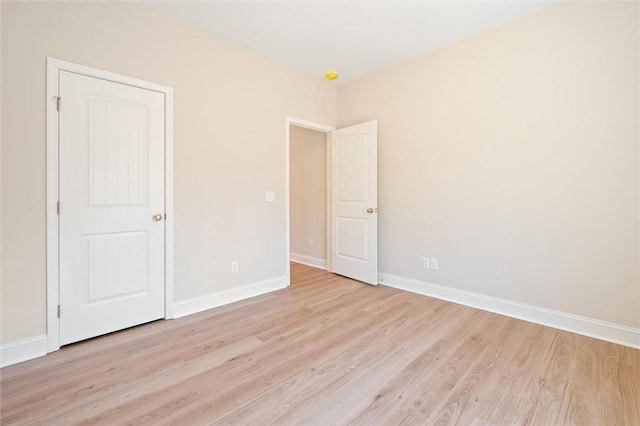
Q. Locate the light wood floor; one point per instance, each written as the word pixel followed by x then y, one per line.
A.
pixel 329 350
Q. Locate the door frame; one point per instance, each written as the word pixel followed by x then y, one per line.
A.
pixel 54 66
pixel 291 121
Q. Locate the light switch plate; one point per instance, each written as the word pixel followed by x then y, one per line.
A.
pixel 270 196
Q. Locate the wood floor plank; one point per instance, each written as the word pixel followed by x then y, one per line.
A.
pixel 247 371
pixel 359 376
pixel 439 377
pixel 265 380
pixel 479 379
pixel 513 395
pixel 318 378
pixel 329 350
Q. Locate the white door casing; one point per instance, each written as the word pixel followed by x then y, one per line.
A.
pixel 113 259
pixel 354 201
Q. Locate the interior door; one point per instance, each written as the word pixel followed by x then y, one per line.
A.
pixel 354 200
pixel 111 192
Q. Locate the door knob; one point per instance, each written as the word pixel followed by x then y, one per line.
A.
pixel 370 210
pixel 157 217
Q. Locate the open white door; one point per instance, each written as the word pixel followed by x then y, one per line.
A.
pixel 112 205
pixel 354 201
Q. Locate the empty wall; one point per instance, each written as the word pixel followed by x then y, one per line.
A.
pixel 512 157
pixel 308 192
pixel 229 141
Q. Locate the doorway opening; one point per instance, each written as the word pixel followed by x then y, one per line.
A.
pixel 308 196
pixel 307 204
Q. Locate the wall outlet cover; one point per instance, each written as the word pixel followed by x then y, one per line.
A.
pixel 426 263
pixel 270 196
pixel 434 264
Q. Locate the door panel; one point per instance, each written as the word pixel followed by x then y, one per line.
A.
pixel 352 232
pixel 117 264
pixel 111 184
pixel 117 133
pixel 354 200
pixel 352 168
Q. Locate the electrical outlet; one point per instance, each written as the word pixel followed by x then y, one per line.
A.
pixel 311 244
pixel 434 264
pixel 426 263
pixel 270 196
pixel 234 267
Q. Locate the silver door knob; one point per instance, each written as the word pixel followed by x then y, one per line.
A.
pixel 157 217
pixel 370 210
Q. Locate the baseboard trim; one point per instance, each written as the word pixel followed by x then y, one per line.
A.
pixel 316 262
pixel 602 330
pixel 23 350
pixel 213 300
pixel 34 347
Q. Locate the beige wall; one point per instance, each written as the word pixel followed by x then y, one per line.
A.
pixel 230 111
pixel 512 157
pixel 308 191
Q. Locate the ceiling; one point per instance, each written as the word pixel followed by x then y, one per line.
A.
pixel 352 37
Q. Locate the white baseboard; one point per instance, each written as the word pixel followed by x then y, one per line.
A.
pixel 213 300
pixel 34 347
pixel 615 333
pixel 23 350
pixel 308 260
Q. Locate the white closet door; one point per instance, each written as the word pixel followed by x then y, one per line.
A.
pixel 111 206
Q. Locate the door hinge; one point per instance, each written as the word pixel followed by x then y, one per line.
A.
pixel 58 311
pixel 58 207
pixel 58 103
